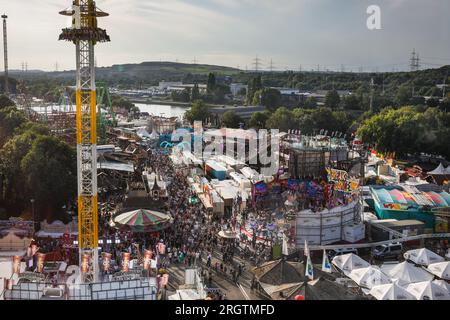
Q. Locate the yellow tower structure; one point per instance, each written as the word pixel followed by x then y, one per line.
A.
pixel 85 34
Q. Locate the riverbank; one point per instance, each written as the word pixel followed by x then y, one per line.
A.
pixel 172 103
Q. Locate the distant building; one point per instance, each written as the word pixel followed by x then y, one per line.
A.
pixel 164 85
pixel 236 87
pixel 245 112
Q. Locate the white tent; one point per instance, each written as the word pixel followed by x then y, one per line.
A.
pixel 440 170
pixel 142 133
pixel 369 277
pixel 447 171
pixel 406 273
pixel 440 269
pixel 442 284
pixel 391 291
pixel 349 262
pixel 423 256
pixel 428 290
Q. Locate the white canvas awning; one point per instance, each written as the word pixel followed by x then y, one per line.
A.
pixel 369 277
pixel 440 269
pixel 391 291
pixel 115 166
pixel 428 290
pixel 423 256
pixel 349 262
pixel 406 273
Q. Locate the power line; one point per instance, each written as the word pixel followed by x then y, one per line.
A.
pixel 257 63
pixel 271 66
pixel 414 61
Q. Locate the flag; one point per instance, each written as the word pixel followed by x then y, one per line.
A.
pixel 309 269
pixel 284 250
pixel 306 251
pixel 326 265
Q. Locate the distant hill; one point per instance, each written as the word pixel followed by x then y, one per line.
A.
pixel 145 73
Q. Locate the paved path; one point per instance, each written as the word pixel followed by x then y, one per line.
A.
pixel 219 279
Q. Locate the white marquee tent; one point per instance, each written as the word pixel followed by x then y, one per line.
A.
pixel 440 269
pixel 391 291
pixel 423 256
pixel 428 290
pixel 369 277
pixel 440 170
pixel 442 284
pixel 349 262
pixel 405 273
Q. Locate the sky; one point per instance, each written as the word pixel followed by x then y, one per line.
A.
pixel 294 34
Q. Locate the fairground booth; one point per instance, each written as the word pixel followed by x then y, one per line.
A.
pixel 402 202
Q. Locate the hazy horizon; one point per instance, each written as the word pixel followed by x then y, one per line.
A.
pixel 306 33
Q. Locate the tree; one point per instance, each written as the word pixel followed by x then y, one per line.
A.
pixel 242 92
pixel 268 97
pixel 195 94
pixel 332 99
pixel 198 112
pixel 10 120
pixel 51 175
pixel 312 121
pixel 281 119
pixel 211 84
pixel 403 96
pixel 6 102
pixel 11 156
pixel 258 120
pixel 310 103
pixel 407 131
pixel 254 85
pixel 351 102
pixel 433 102
pixel 183 96
pixel 231 120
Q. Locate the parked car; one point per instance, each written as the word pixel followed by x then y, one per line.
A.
pixel 385 251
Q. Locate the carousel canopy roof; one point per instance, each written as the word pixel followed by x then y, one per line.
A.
pixel 143 220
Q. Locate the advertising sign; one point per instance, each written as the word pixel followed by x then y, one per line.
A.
pixel 147 259
pixel 126 261
pixel 16 264
pixel 85 259
pixel 342 181
pixel 106 261
pixel 40 262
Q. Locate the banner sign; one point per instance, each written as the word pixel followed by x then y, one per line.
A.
pixel 106 261
pixel 16 264
pixel 85 260
pixel 342 181
pixel 40 262
pixel 147 259
pixel 126 261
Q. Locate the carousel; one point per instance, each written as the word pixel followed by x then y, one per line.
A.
pixel 141 220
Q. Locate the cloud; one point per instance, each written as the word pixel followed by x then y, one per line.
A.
pixel 232 32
